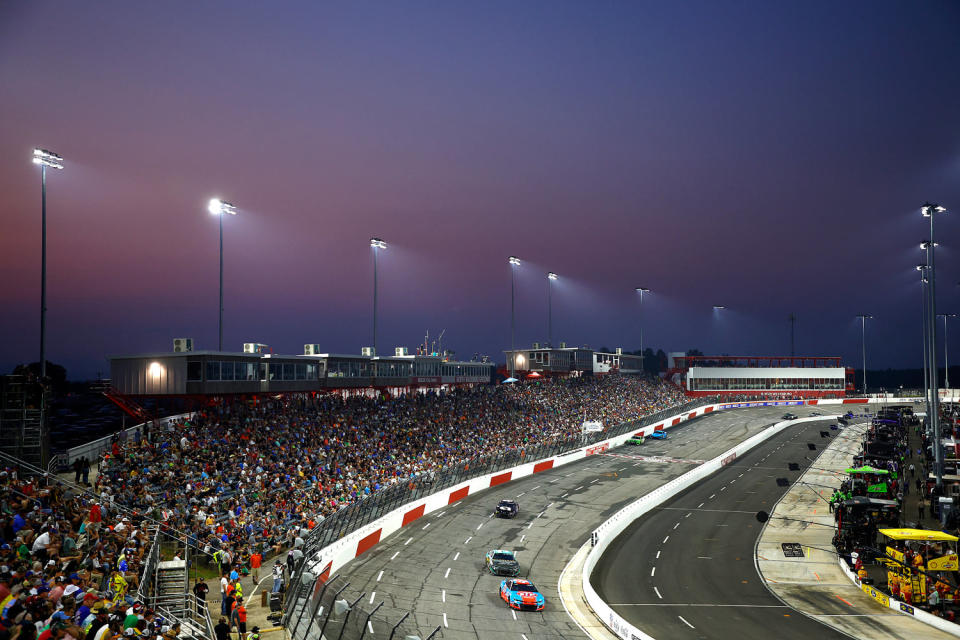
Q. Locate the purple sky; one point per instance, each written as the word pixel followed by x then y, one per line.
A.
pixel 770 157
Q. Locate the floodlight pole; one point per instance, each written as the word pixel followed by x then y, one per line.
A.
pixel 946 352
pixel 863 343
pixel 514 262
pixel 930 211
pixel 43 272
pixel 220 320
pixel 376 244
pixel 641 291
pixel 551 276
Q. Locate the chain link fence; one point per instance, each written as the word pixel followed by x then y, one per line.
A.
pixel 309 604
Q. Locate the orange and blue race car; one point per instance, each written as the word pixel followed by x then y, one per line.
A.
pixel 522 595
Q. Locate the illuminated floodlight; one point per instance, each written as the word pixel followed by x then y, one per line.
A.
pixel 928 209
pixel 218 207
pixel 718 307
pixel 642 290
pixel 552 276
pixel 47 159
pixel 377 243
pixel 155 369
pixel 514 261
pixel 921 267
pixel 925 244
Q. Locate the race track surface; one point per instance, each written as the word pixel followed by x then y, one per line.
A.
pixel 687 569
pixel 434 567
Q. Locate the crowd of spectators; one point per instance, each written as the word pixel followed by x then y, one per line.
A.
pixel 249 477
pixel 69 567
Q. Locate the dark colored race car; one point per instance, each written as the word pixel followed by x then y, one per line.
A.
pixel 507 509
pixel 789 416
pixel 501 562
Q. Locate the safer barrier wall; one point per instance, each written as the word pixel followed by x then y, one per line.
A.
pixel 607 532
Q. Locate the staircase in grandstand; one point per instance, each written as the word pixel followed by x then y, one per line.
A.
pixel 126 404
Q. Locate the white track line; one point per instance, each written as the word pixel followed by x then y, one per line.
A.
pixel 536 487
pixel 447 625
pixel 441 513
pixel 665 539
pixel 447 574
pixel 653 570
pixel 372 596
pixel 379 575
pixel 409 540
pixel 394 555
pixel 676 525
pixel 681 618
pixel 370 627
pixel 514 614
pixel 426 525
pixel 700 505
pixel 522 537
pixel 658 553
pixel 521 494
pixel 443 595
pixel 456 557
pixel 657 591
pixel 467 541
pixel 479 525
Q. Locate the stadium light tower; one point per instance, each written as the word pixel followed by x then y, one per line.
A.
pixel 929 210
pixel 946 352
pixel 45 159
pixel 376 244
pixel 863 343
pixel 922 268
pixel 641 291
pixel 220 208
pixel 551 276
pixel 514 262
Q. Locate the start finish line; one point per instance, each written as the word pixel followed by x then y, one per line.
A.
pixel 658 459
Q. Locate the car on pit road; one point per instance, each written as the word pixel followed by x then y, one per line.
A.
pixel 521 594
pixel 659 435
pixel 507 509
pixel 789 416
pixel 501 562
pixel 637 439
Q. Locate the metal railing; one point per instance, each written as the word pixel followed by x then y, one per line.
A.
pixel 301 598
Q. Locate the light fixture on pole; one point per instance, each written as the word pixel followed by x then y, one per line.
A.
pixel 513 261
pixel 551 276
pixel 376 244
pixel 220 208
pixel 45 159
pixel 929 210
pixel 641 291
pixel 863 343
pixel 946 352
pixel 718 307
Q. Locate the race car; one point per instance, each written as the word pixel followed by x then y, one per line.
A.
pixel 637 439
pixel 789 416
pixel 501 562
pixel 507 509
pixel 815 413
pixel 521 594
pixel 659 435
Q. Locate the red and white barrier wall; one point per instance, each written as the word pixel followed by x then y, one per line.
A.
pixel 334 556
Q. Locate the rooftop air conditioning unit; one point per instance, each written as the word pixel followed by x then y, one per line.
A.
pixel 254 347
pixel 563 345
pixel 311 350
pixel 536 345
pixel 619 351
pixel 182 344
pixel 401 351
pixel 368 351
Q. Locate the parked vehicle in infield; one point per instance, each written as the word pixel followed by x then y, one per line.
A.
pixel 521 594
pixel 637 439
pixel 659 435
pixel 507 509
pixel 502 562
pixel 789 416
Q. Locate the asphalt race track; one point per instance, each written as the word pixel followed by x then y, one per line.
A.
pixel 434 567
pixel 686 569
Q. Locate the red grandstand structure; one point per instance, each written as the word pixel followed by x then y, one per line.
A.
pixel 761 376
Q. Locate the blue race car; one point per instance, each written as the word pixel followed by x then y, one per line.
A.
pixel 521 594
pixel 659 435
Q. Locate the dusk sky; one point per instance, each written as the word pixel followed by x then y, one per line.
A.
pixel 766 156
